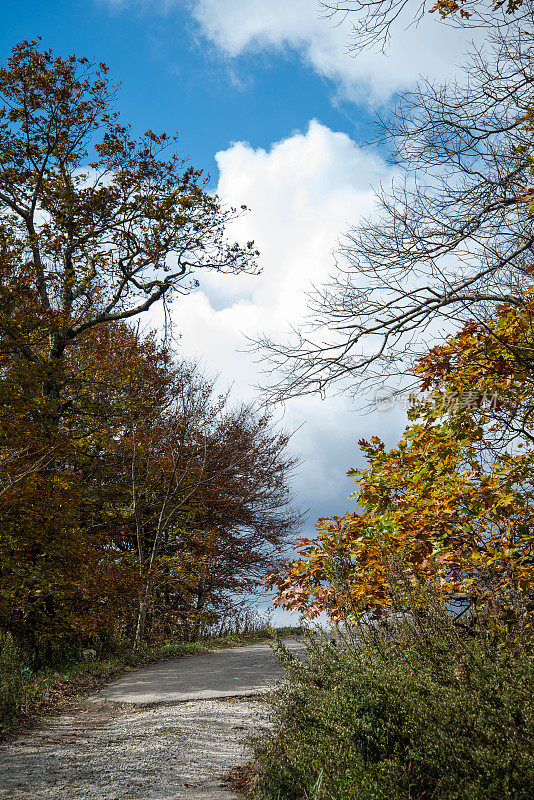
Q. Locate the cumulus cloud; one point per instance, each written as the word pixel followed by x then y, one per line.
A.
pixel 238 27
pixel 301 193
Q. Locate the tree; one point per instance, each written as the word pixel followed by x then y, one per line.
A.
pixel 373 20
pixel 132 499
pixel 447 515
pixel 452 238
pixel 438 528
pixel 96 227
pixel 157 507
pixel 101 225
pixel 211 504
pixel 245 516
pixel 65 574
pixel 166 456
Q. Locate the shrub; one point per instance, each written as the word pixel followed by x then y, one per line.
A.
pixel 394 717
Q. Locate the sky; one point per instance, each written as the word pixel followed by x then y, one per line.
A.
pixel 267 99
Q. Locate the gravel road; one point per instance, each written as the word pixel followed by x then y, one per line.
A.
pixel 166 732
pixel 236 672
pixel 112 752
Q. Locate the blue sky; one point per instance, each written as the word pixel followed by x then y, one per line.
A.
pixel 174 79
pixel 265 98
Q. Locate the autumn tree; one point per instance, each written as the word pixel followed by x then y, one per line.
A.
pixel 63 532
pixel 163 509
pixel 96 226
pixel 445 516
pixel 102 225
pixel 210 503
pixel 164 459
pixel 448 514
pixel 245 514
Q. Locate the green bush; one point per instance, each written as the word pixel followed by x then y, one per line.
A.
pixel 379 721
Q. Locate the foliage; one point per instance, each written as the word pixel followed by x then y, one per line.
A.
pixel 103 225
pixel 159 502
pixel 211 507
pixel 486 370
pixel 448 513
pixel 430 695
pixel 448 8
pixel 133 500
pixel 376 720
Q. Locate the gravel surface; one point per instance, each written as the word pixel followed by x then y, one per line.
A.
pixel 111 751
pixel 235 672
pixel 169 731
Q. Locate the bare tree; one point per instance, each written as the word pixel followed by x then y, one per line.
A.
pixel 375 21
pixel 452 237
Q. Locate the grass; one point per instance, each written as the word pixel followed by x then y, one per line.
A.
pixel 25 695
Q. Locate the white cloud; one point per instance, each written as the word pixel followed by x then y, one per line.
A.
pixel 238 27
pixel 301 194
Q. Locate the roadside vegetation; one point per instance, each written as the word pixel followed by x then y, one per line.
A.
pixel 139 508
pixel 428 694
pixel 401 713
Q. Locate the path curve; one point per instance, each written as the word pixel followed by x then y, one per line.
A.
pixel 172 740
pixel 235 672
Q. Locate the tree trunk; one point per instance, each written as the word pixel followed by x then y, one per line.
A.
pixel 144 603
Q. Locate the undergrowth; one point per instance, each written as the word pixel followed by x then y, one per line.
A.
pixel 397 717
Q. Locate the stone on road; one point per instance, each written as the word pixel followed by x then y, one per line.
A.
pixel 236 672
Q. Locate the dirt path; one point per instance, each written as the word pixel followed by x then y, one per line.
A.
pixel 235 672
pixel 159 745
pixel 119 752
